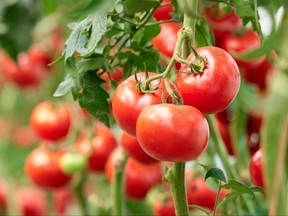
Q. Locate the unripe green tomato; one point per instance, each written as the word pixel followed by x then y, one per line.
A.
pixel 71 163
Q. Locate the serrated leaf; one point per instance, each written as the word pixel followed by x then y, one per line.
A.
pixel 134 6
pixel 215 173
pixel 238 187
pixel 92 96
pixel 243 8
pixel 65 86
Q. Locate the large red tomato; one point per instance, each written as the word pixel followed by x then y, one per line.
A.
pixel 168 132
pixel 42 168
pixel 215 87
pixel 128 102
pixel 166 40
pixel 164 10
pixel 237 44
pixel 199 193
pixel 50 123
pixel 131 145
pixel 256 166
pixel 139 178
pixel 31 202
pixel 99 149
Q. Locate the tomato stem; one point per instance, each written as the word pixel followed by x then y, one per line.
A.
pixel 79 194
pixel 176 178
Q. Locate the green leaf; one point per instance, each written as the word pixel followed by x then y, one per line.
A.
pixel 238 188
pixel 134 6
pixel 70 66
pixel 144 35
pixel 204 36
pixel 216 173
pixel 92 63
pixel 243 8
pixel 200 209
pixel 92 96
pixel 257 189
pixel 65 86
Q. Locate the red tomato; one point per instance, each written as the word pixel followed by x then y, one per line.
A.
pixel 31 202
pixel 239 44
pixel 131 145
pixel 63 199
pixel 199 193
pixel 164 10
pixel 168 132
pixel 166 40
pixel 221 22
pixel 139 178
pixel 215 88
pixel 128 102
pixel 256 169
pixel 38 55
pixel 163 206
pixel 3 197
pixel 260 74
pixel 50 123
pixel 253 128
pixel 103 143
pixel 42 168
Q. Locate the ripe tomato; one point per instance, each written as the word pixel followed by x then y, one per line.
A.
pixel 31 202
pixel 3 197
pixel 163 206
pixel 128 102
pixel 199 193
pixel 50 123
pixel 63 199
pixel 215 88
pixel 39 56
pixel 139 178
pixel 166 40
pixel 164 10
pixel 103 143
pixel 221 22
pixel 256 169
pixel 131 145
pixel 168 132
pixel 239 44
pixel 42 168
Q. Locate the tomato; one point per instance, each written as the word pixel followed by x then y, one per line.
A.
pixel 259 75
pixel 237 44
pixel 253 128
pixel 168 132
pixel 50 123
pixel 24 136
pixel 3 197
pixel 256 166
pixel 199 193
pixel 103 143
pixel 166 40
pixel 215 88
pixel 131 145
pixel 128 102
pixel 139 178
pixel 63 199
pixel 221 22
pixel 42 168
pixel 31 202
pixel 71 163
pixel 163 206
pixel 38 55
pixel 164 10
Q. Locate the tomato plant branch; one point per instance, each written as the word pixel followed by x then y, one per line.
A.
pixel 176 177
pixel 217 199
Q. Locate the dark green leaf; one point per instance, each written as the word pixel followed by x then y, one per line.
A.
pixel 92 96
pixel 144 35
pixel 65 86
pixel 243 8
pixel 216 173
pixel 134 6
pixel 238 187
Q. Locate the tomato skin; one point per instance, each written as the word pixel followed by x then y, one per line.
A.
pixel 38 55
pixel 163 12
pixel 31 202
pixel 139 178
pixel 128 102
pixel 42 168
pixel 165 132
pixel 131 145
pixel 199 193
pixel 216 87
pixel 166 40
pixel 103 143
pixel 50 123
pixel 256 169
pixel 63 199
pixel 164 207
pixel 246 42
